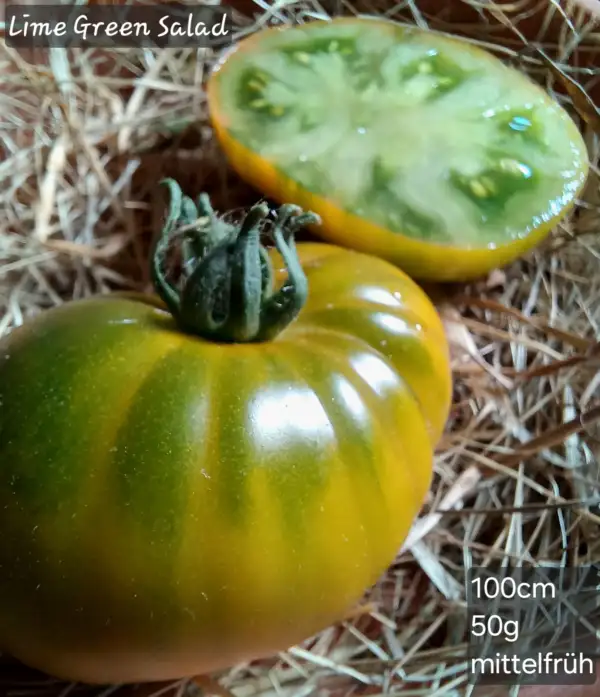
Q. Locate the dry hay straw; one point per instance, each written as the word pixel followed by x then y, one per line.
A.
pixel 83 140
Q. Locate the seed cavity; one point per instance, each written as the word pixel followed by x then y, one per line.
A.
pixel 302 57
pixel 478 188
pixel 511 166
pixel 488 184
pixel 333 46
pixel 432 77
pixel 412 229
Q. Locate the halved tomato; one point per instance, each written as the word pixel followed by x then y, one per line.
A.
pixel 412 146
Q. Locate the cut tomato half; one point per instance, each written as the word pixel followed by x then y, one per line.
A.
pixel 411 146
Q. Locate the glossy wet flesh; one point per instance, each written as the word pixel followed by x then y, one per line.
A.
pixel 416 133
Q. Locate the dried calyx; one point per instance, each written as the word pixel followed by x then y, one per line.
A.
pixel 227 292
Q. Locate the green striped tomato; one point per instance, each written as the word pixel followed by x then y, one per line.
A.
pixel 171 505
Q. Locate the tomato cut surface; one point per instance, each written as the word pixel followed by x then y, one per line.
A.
pixel 419 148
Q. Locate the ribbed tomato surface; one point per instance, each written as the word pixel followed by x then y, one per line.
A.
pixel 170 505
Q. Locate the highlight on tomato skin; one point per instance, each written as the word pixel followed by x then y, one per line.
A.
pixel 418 148
pixel 194 479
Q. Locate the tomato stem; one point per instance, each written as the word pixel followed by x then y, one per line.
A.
pixel 227 291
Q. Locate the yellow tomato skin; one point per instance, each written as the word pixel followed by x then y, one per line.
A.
pixel 171 506
pixel 421 259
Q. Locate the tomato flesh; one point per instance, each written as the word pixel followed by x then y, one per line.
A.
pixel 424 136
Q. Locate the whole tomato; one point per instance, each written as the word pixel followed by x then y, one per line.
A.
pixel 217 475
